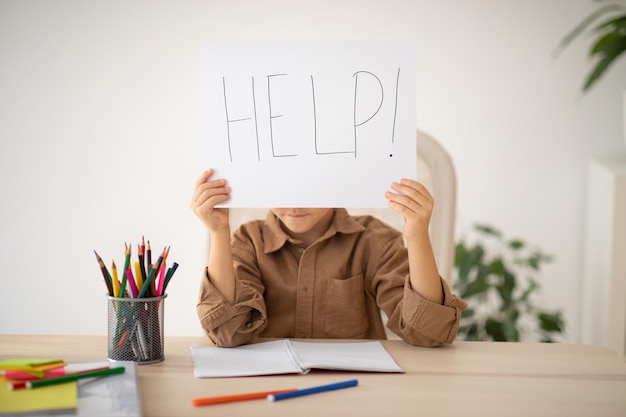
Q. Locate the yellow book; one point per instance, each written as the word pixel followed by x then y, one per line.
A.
pixel 54 398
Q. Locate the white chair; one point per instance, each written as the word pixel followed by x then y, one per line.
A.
pixel 436 171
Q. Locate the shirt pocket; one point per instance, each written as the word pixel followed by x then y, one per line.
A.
pixel 345 312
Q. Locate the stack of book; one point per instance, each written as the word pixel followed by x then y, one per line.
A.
pixel 53 387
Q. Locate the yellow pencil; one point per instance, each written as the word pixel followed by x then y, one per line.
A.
pixel 116 283
pixel 138 277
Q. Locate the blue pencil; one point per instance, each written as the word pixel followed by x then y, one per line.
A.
pixel 313 390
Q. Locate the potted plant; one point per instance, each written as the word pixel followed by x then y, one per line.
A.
pixel 610 39
pixel 497 277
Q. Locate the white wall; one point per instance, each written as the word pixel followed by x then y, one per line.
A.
pixel 99 130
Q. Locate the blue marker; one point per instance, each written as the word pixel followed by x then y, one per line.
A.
pixel 313 390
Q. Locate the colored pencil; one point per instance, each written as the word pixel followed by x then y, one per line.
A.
pixel 38 370
pixel 168 276
pixel 237 397
pixel 313 390
pixel 24 375
pixel 116 283
pixel 141 275
pixel 122 292
pixel 142 284
pixel 145 288
pixel 75 376
pixel 148 255
pixel 127 254
pixel 131 280
pixel 24 384
pixel 105 274
pixel 161 280
pixel 155 268
pixel 162 275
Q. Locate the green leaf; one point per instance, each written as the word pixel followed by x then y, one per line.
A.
pixel 617 23
pixel 501 273
pixel 462 268
pixel 506 288
pixel 470 332
pixel 582 26
pixel 603 65
pixel 551 322
pixel 606 44
pixel 525 296
pixel 494 328
pixel 466 260
pixel 496 266
pixel 536 259
pixel 478 286
pixel 468 313
pixel 510 331
pixel 488 230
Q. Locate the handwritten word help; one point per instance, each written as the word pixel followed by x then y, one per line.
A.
pixel 261 113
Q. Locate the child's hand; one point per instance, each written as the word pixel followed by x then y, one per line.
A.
pixel 413 201
pixel 206 196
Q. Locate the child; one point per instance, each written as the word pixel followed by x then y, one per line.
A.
pixel 321 273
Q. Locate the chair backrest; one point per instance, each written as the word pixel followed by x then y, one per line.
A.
pixel 436 171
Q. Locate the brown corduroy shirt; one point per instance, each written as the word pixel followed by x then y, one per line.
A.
pixel 334 288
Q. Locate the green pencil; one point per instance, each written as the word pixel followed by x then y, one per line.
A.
pixel 147 283
pixel 127 253
pixel 74 377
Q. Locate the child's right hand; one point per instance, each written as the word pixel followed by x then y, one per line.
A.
pixel 207 194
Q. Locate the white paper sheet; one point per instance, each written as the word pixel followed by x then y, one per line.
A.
pixel 308 124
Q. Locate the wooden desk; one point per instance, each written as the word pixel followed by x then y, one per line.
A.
pixel 466 378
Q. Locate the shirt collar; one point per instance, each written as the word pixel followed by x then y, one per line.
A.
pixel 274 237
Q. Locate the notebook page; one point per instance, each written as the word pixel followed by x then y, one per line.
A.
pixel 266 358
pixel 351 356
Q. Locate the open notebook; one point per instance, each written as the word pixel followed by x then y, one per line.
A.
pixel 286 356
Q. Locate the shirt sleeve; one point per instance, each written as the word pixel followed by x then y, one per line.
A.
pixel 229 324
pixel 415 319
pixel 427 323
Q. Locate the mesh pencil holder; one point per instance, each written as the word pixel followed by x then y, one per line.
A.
pixel 136 329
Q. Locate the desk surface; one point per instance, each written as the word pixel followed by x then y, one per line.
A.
pixel 465 378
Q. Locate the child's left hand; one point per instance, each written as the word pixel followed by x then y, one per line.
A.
pixel 415 203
